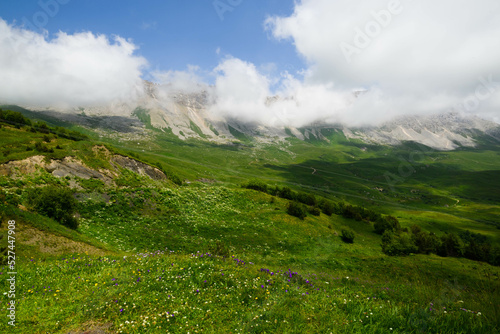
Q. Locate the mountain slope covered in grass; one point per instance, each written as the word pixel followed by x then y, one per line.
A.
pixel 194 251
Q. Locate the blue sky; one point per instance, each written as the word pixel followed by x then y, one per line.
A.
pixel 171 34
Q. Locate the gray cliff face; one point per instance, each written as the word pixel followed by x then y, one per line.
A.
pixel 443 132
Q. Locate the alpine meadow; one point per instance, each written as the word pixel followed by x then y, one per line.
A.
pixel 305 166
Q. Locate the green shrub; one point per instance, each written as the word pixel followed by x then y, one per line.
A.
pixel 40 147
pixel 42 127
pixel 478 251
pixel 328 207
pixel 286 193
pixel 256 185
pixel 425 242
pixel 387 223
pixel 56 203
pixel 313 210
pixel 494 256
pixel 351 212
pixel 347 235
pixel 307 199
pixel 14 117
pixel 397 244
pixel 451 245
pixel 296 209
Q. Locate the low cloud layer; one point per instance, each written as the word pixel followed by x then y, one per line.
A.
pixel 413 57
pixel 69 70
pixel 370 61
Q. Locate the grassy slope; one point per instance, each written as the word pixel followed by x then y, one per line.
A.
pixel 346 170
pixel 391 292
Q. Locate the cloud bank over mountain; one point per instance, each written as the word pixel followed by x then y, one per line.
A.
pixel 412 56
pixel 365 63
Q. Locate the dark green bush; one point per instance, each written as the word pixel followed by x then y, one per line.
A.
pixel 40 147
pixel 451 245
pixel 42 127
pixel 54 202
pixel 426 242
pixel 397 244
pixel 286 193
pixel 328 207
pixel 296 209
pixel 14 117
pixel 472 246
pixel 347 235
pixel 256 185
pixel 307 199
pixel 387 223
pixel 313 210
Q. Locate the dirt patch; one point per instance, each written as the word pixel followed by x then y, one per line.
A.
pixel 22 167
pixel 53 244
pixel 93 328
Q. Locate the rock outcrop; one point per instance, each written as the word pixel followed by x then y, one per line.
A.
pixel 70 166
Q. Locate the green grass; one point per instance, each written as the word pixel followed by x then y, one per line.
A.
pixel 175 293
pixel 381 291
pixel 154 229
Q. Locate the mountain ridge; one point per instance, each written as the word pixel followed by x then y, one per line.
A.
pixel 190 114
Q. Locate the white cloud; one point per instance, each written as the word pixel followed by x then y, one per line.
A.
pixel 241 91
pixel 425 57
pixel 73 70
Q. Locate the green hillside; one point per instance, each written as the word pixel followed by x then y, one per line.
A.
pixel 211 246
